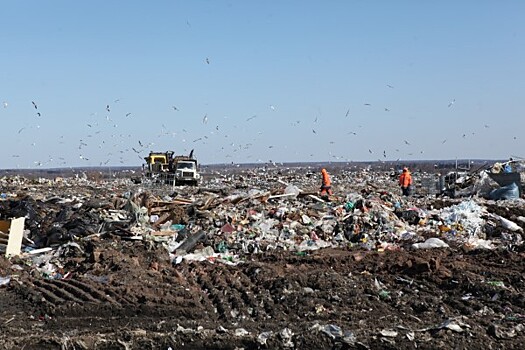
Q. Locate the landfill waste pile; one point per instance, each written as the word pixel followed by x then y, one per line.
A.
pixel 257 259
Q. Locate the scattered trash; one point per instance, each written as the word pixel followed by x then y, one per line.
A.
pixel 388 333
pixel 506 192
pixel 496 284
pixel 4 281
pixel 431 243
pixel 211 250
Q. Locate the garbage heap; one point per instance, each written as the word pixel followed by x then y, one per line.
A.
pixel 234 215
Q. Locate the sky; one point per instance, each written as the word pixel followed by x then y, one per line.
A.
pixel 103 83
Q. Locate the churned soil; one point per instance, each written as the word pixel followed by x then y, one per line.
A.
pixel 127 295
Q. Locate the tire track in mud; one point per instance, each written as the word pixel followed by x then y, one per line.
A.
pixel 248 291
pixel 58 292
pixel 215 295
pixel 55 292
pixel 261 291
pixel 232 294
pixel 87 290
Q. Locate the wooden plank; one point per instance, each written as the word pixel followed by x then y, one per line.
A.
pixel 39 251
pixel 316 198
pixel 163 233
pixel 282 195
pixel 16 233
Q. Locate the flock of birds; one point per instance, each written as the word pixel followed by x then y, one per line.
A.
pixel 126 149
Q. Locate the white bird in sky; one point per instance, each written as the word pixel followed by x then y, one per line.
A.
pixel 272 107
pixel 406 142
pixel 5 104
pixel 205 119
pixel 452 102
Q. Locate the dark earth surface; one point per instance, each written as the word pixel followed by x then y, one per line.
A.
pixel 127 295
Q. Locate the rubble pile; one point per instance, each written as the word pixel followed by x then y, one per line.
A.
pixel 79 234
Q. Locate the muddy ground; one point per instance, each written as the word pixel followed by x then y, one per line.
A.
pixel 127 295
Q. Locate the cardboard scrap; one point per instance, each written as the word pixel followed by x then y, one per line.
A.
pixel 15 229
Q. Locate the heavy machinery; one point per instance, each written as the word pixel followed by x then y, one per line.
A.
pixel 170 169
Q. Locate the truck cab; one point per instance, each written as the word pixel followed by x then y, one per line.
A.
pixel 186 171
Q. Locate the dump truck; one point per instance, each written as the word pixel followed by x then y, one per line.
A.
pixel 170 169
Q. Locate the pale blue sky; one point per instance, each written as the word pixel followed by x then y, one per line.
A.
pixel 281 78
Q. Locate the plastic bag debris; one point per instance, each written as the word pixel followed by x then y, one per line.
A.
pixel 333 331
pixel 292 190
pixel 509 225
pixel 431 243
pixel 263 337
pixel 506 192
pixel 478 243
pixel 4 281
pixel 388 333
pixel 286 335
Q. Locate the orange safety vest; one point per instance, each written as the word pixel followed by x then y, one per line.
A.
pixel 326 178
pixel 405 179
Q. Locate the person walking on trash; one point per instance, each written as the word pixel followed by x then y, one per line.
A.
pixel 405 181
pixel 326 185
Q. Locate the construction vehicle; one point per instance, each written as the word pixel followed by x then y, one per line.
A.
pixel 173 170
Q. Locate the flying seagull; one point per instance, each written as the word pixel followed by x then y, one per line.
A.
pixel 408 143
pixel 347 112
pixel 205 119
pixel 34 104
pixel 451 102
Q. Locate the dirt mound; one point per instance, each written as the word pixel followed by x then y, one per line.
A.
pixel 127 296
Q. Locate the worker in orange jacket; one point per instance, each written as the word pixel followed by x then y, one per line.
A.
pixel 405 181
pixel 326 185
